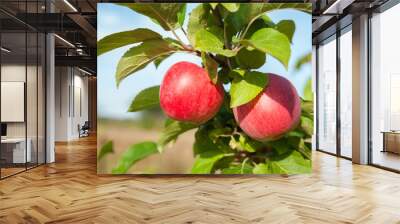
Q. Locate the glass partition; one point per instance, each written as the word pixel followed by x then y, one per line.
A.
pixel 385 89
pixel 346 93
pixel 22 78
pixel 13 109
pixel 327 96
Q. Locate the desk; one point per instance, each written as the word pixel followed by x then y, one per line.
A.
pixel 18 151
pixel 391 141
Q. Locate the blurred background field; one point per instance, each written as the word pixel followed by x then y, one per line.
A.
pixel 177 158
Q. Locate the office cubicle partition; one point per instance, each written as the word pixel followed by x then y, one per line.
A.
pixel 22 95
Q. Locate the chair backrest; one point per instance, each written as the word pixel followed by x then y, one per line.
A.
pixel 86 124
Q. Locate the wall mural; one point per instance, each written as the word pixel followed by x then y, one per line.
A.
pixel 210 88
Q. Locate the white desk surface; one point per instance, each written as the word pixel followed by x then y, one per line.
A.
pixel 13 140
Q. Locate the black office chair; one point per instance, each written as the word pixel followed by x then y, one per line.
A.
pixel 84 130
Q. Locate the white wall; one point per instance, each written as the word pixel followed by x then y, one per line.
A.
pixel 71 94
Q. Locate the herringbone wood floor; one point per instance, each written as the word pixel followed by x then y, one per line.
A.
pixel 69 191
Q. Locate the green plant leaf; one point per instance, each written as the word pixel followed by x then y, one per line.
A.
pixel 262 22
pixel 200 18
pixel 213 5
pixel 117 40
pixel 250 59
pixel 308 94
pixel 231 7
pixel 203 141
pixel 261 168
pixel 169 16
pixel 211 66
pixel 245 168
pixel 248 13
pixel 303 148
pixel 139 56
pixel 210 43
pixel 244 89
pixel 181 15
pixel 290 163
pixel 307 108
pixel 307 125
pixel 272 42
pixel 133 154
pixel 159 60
pixel 286 27
pixel 248 144
pixel 105 149
pixel 280 146
pixel 205 161
pixel 146 99
pixel 305 59
pixel 172 130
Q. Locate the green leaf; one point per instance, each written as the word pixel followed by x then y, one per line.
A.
pixel 272 42
pixel 133 154
pixel 308 94
pixel 303 148
pixel 205 161
pixel 106 149
pixel 244 89
pixel 181 15
pixel 203 141
pixel 159 60
pixel 172 130
pixel 261 168
pixel 211 66
pixel 295 133
pixel 262 22
pixel 238 169
pixel 231 7
pixel 213 5
pixel 169 16
pixel 286 27
pixel 248 13
pixel 218 132
pixel 280 146
pixel 146 99
pixel 305 59
pixel 210 43
pixel 307 125
pixel 206 139
pixel 290 163
pixel 307 106
pixel 250 59
pixel 139 56
pixel 249 144
pixel 117 40
pixel 200 18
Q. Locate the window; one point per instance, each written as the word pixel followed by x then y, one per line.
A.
pixel 346 95
pixel 327 96
pixel 385 89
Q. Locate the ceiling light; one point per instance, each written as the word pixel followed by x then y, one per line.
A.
pixel 332 7
pixel 64 40
pixel 5 50
pixel 337 7
pixel 70 5
pixel 84 71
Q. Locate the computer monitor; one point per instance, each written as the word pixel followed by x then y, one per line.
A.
pixel 3 129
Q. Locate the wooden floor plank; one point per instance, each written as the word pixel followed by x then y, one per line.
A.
pixel 69 191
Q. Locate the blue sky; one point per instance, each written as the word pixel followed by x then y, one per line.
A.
pixel 113 102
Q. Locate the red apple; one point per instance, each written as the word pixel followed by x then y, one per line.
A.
pixel 188 94
pixel 275 111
